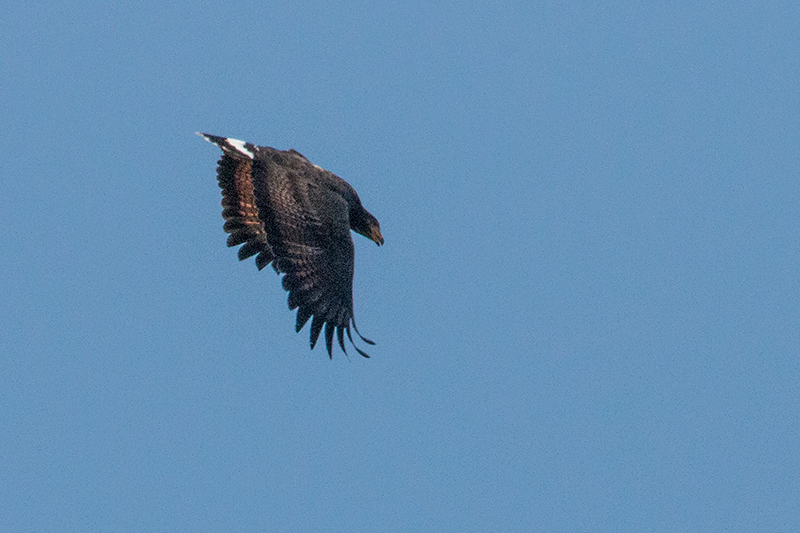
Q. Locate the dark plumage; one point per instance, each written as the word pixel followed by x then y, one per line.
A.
pixel 287 211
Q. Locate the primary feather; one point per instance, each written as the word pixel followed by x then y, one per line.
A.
pixel 289 212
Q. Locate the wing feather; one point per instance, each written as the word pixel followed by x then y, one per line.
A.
pixel 287 211
pixel 308 229
pixel 240 211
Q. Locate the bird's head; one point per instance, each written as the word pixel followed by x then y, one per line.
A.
pixel 367 225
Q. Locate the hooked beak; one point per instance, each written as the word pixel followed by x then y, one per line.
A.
pixel 375 235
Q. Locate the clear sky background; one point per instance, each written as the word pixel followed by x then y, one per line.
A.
pixel 586 311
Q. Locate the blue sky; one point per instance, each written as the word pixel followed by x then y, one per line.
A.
pixel 586 311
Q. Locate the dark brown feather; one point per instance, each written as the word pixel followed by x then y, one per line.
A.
pixel 240 211
pixel 290 212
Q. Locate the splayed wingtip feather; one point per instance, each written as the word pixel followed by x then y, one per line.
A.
pixel 303 314
pixel 329 338
pixel 360 335
pixel 316 328
pixel 340 336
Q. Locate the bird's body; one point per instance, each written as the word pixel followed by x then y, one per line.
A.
pixel 287 211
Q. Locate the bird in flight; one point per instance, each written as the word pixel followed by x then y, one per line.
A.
pixel 287 211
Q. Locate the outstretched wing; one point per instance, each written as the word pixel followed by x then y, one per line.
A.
pixel 308 229
pixel 239 209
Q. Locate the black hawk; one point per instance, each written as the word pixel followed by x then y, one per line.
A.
pixel 287 211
